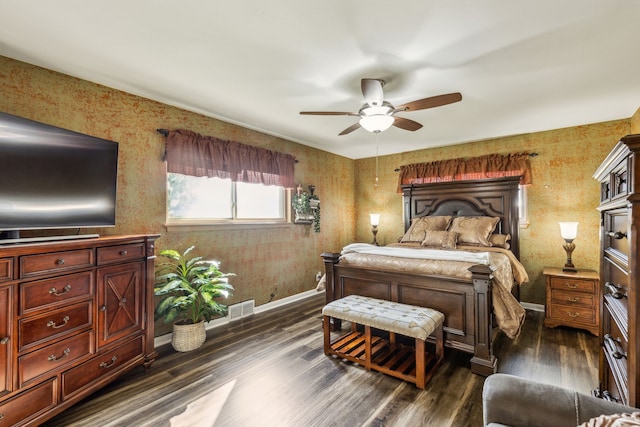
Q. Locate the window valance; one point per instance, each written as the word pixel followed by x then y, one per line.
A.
pixel 483 167
pixel 189 153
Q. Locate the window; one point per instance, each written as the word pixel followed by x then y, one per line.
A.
pixel 205 200
pixel 523 211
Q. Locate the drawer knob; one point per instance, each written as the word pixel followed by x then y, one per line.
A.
pixel 54 291
pixel 106 365
pixel 52 324
pixel 103 308
pixel 615 290
pixel 123 253
pixel 617 234
pixel 59 261
pixel 573 299
pixel 573 314
pixel 612 345
pixel 54 358
pixel 4 340
pixel 571 285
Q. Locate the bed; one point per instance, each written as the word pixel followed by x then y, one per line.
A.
pixel 469 299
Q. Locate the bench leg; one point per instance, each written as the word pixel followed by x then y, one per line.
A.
pixel 326 326
pixel 367 347
pixel 420 364
pixel 439 343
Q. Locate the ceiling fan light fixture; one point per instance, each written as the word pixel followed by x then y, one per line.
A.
pixel 376 122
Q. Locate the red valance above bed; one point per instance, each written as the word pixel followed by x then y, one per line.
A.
pixel 483 167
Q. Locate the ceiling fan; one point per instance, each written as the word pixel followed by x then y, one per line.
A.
pixel 377 115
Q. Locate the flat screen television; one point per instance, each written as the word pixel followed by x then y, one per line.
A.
pixel 52 178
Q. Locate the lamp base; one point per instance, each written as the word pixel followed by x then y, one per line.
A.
pixel 569 246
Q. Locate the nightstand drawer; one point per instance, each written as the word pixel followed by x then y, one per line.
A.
pixel 573 314
pixel 573 298
pixel 571 284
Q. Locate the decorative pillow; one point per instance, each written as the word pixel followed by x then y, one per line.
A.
pixel 614 420
pixel 416 232
pixel 474 229
pixel 500 240
pixel 440 239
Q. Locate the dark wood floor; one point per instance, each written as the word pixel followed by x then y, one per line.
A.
pixel 270 370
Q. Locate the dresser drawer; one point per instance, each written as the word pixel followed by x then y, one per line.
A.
pixel 6 269
pixel 43 293
pixel 615 229
pixel 29 405
pixel 573 314
pixel 102 365
pixel 56 323
pixel 572 298
pixel 569 284
pixel 54 356
pixel 118 253
pixel 42 264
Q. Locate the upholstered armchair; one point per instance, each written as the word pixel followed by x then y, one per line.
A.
pixel 512 401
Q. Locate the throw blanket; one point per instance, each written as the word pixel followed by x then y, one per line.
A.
pixel 411 252
pixel 412 258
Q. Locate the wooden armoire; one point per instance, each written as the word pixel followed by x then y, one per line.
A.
pixel 619 177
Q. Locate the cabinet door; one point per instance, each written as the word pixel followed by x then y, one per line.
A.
pixel 120 301
pixel 5 339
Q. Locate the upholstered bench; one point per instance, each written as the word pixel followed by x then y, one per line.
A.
pixel 407 362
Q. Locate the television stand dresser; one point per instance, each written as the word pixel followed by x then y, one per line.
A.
pixel 74 316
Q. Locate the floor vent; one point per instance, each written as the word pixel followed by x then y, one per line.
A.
pixel 240 310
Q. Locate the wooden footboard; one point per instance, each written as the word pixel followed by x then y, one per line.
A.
pixel 466 305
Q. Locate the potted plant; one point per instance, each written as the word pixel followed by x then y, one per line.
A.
pixel 189 287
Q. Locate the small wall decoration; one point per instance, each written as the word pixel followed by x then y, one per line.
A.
pixel 306 207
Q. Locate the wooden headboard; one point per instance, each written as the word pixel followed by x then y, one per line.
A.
pixel 489 197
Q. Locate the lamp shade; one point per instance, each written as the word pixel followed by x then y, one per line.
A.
pixel 568 230
pixel 377 122
pixel 375 219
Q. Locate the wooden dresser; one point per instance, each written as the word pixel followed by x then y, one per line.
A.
pixel 620 251
pixel 74 315
pixel 572 299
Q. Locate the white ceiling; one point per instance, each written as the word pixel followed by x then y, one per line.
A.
pixel 521 66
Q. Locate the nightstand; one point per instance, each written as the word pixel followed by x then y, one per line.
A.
pixel 572 299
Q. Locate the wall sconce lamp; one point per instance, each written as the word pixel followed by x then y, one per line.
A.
pixel 569 231
pixel 375 220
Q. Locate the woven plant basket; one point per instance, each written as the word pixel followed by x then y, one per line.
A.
pixel 189 336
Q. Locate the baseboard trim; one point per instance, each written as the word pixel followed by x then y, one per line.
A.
pixel 166 339
pixel 533 307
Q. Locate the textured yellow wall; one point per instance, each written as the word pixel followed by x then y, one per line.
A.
pixel 266 260
pixel 635 122
pixel 563 190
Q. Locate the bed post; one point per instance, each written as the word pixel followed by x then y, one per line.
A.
pixel 330 259
pixel 483 361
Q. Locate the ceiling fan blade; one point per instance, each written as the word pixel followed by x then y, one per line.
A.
pixel 350 129
pixel 433 101
pixel 328 113
pixel 406 124
pixel 372 91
